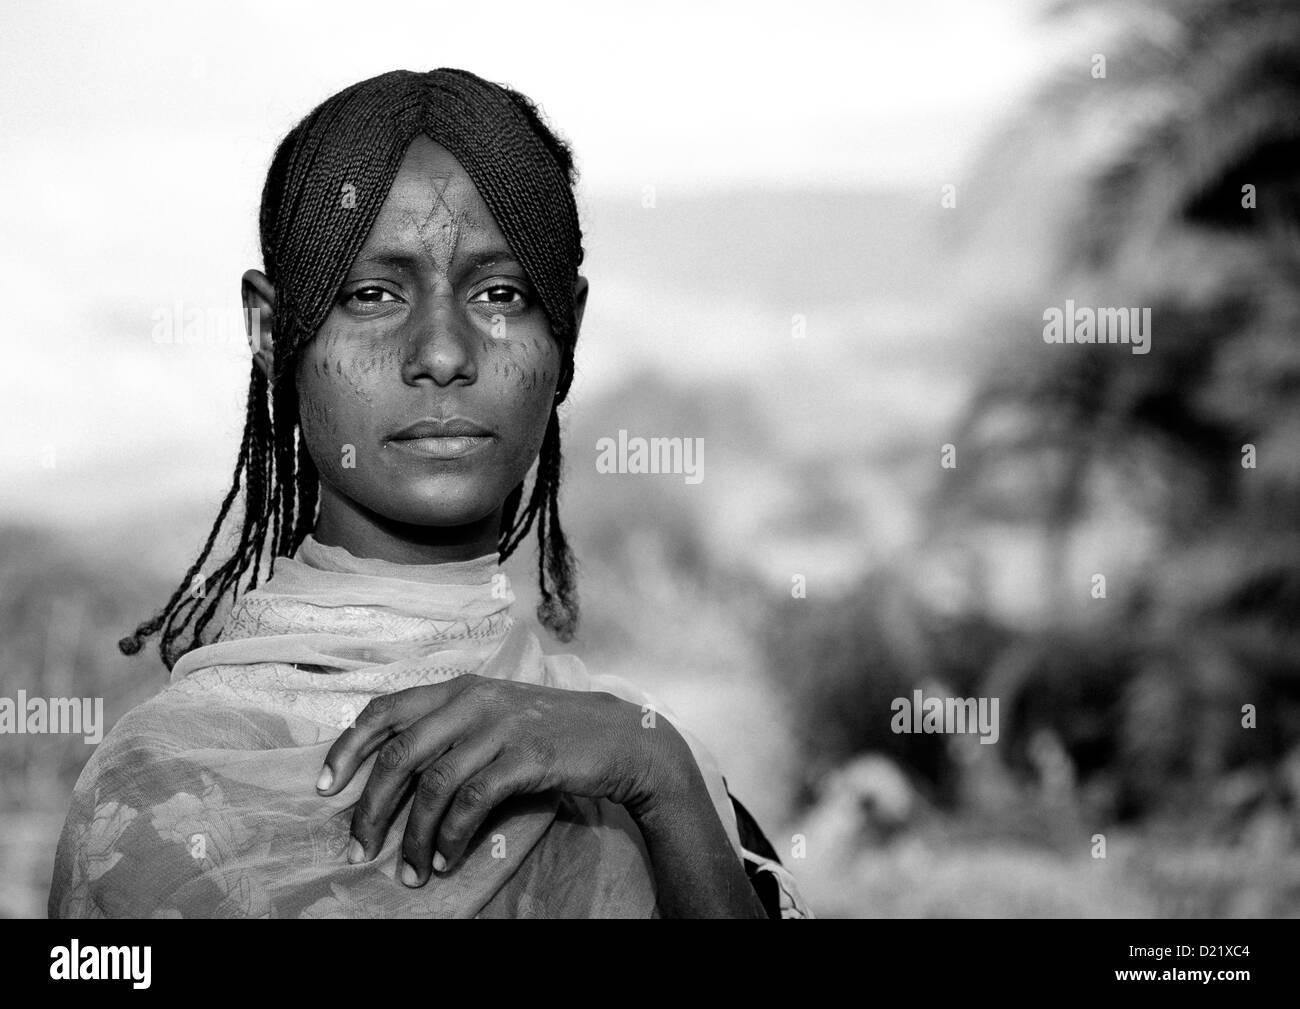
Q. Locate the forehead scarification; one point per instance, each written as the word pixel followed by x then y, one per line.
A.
pixel 430 216
pixel 440 231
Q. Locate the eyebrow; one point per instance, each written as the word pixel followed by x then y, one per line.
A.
pixel 490 257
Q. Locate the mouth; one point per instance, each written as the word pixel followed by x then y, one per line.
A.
pixel 452 438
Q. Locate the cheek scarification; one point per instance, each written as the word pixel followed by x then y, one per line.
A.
pixel 352 374
pixel 377 359
pixel 525 362
pixel 315 416
pixel 318 428
pixel 334 382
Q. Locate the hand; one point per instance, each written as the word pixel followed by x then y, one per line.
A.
pixel 469 743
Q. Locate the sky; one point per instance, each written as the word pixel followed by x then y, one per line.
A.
pixel 134 139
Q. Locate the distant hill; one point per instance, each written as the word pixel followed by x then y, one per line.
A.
pixel 786 245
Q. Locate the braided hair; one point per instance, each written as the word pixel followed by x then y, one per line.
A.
pixel 326 184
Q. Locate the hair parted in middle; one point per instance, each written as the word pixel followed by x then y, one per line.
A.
pixel 326 184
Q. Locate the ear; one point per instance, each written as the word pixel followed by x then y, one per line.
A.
pixel 579 303
pixel 259 315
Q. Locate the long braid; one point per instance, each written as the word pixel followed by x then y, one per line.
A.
pixel 308 493
pixel 259 486
pixel 284 420
pixel 326 183
pixel 558 609
pixel 132 644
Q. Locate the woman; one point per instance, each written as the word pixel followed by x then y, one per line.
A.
pixel 421 247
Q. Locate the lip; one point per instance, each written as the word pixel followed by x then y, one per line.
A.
pixel 445 447
pixel 442 427
pixel 442 438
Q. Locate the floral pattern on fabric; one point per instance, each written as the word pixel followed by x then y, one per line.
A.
pixel 201 802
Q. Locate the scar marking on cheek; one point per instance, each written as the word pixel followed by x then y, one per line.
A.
pixel 358 387
pixel 316 415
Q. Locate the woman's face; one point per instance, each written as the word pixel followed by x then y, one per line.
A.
pixel 425 395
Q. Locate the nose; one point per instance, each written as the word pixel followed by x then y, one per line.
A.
pixel 442 344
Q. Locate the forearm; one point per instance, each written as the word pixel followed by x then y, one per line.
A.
pixel 696 870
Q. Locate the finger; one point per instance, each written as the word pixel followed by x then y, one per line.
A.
pixel 481 793
pixel 378 721
pixel 397 763
pixel 389 713
pixel 434 791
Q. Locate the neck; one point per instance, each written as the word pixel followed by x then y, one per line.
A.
pixel 364 533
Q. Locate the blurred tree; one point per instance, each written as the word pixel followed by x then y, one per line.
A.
pixel 1171 183
pixel 1175 185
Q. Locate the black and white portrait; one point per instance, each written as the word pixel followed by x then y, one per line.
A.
pixel 577 461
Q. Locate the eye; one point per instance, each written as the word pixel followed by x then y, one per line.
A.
pixel 501 294
pixel 369 299
pixel 371 295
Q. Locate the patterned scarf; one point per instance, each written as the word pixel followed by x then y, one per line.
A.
pixel 201 802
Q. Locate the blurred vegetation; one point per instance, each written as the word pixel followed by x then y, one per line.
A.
pixel 1133 706
pixel 64 602
pixel 59 607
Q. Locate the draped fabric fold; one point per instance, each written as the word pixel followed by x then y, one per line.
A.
pixel 201 802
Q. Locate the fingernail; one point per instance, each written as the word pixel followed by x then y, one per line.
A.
pixel 356 853
pixel 409 876
pixel 325 780
pixel 439 863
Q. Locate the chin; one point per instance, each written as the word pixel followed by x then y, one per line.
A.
pixel 439 502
